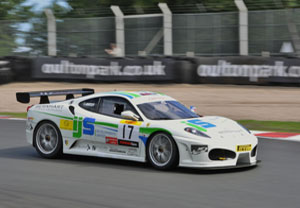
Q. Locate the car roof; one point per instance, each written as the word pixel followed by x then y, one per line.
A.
pixel 137 97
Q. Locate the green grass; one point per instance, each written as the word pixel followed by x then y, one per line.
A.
pixel 14 115
pixel 279 126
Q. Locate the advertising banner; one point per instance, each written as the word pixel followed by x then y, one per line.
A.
pixel 111 69
pixel 247 70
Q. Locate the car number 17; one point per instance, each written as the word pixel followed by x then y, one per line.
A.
pixel 128 132
pixel 124 129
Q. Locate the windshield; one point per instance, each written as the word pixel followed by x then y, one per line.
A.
pixel 166 110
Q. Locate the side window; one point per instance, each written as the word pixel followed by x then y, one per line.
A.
pixel 90 104
pixel 114 106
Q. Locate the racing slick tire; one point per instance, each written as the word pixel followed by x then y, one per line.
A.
pixel 48 140
pixel 162 152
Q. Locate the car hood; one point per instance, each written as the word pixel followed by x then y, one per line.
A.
pixel 217 128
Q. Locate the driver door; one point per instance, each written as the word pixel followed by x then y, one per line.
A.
pixel 118 135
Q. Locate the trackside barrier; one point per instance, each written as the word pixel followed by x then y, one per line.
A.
pixel 110 69
pixel 247 70
pixel 215 70
pixel 6 73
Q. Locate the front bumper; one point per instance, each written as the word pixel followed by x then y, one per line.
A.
pixel 204 160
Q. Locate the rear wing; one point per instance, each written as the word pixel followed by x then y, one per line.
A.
pixel 24 97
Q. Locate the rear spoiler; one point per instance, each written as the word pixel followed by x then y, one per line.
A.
pixel 24 97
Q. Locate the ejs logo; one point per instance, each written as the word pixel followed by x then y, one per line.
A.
pixel 203 124
pixel 85 126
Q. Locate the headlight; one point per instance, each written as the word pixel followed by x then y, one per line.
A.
pixel 195 132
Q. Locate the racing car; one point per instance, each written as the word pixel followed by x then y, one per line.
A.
pixel 140 126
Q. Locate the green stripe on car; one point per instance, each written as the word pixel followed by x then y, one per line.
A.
pixel 148 131
pixel 195 126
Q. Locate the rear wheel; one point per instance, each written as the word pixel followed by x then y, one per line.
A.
pixel 162 151
pixel 48 140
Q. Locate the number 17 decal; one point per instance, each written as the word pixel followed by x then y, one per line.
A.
pixel 130 129
pixel 128 132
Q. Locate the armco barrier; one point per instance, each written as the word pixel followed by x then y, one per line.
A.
pixel 6 73
pixel 21 67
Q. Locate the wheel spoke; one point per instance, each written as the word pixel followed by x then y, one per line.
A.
pixel 164 158
pixel 50 145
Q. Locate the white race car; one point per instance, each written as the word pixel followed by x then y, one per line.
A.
pixel 140 126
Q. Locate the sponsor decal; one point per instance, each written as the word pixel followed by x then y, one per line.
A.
pixel 203 124
pixel 85 126
pixel 111 140
pixel 132 152
pixel 230 131
pixel 199 124
pixel 146 93
pixel 117 150
pixel 138 123
pixel 243 148
pixel 49 107
pixel 128 143
pixel 66 124
pixel 114 69
pixel 103 132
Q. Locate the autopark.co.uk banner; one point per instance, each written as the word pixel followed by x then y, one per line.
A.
pixel 160 69
pixel 215 70
pixel 247 70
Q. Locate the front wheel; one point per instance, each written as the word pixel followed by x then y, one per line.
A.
pixel 162 152
pixel 48 140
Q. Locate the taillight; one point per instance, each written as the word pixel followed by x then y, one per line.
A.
pixel 29 107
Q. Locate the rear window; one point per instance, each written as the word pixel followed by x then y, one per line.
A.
pixel 90 104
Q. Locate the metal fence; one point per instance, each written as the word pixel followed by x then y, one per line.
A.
pixel 268 30
pixel 84 36
pixel 206 34
pixel 138 34
pixel 210 34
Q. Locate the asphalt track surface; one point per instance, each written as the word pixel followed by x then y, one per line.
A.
pixel 27 180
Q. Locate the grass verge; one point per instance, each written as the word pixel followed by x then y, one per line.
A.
pixel 14 115
pixel 279 126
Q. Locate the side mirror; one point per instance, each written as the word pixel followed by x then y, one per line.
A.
pixel 130 115
pixel 193 108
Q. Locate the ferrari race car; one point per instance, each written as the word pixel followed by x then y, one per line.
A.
pixel 140 126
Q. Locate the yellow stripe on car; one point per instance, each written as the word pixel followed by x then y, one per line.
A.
pixel 137 123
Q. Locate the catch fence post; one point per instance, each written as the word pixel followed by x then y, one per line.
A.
pixel 167 18
pixel 51 29
pixel 243 27
pixel 120 34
